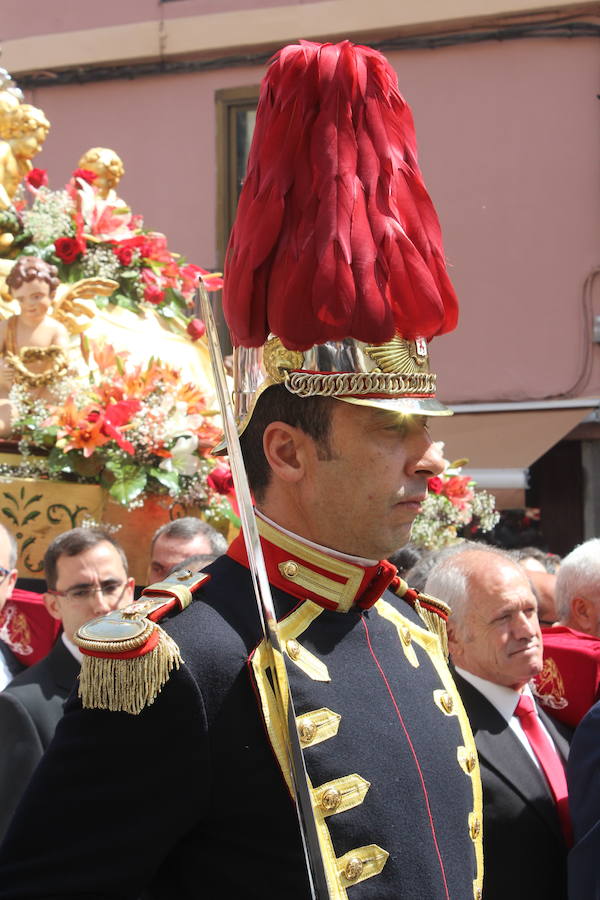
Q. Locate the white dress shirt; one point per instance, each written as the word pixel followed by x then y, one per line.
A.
pixel 6 675
pixel 505 700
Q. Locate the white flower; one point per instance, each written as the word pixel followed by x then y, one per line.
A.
pixel 182 459
pixel 178 422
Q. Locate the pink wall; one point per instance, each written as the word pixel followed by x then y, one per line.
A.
pixel 509 137
pixel 24 18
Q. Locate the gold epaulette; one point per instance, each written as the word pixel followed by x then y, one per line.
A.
pixel 434 613
pixel 127 656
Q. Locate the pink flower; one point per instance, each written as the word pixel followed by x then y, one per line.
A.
pixel 457 490
pixel 154 247
pixel 37 178
pixel 153 292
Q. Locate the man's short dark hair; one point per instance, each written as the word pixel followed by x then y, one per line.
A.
pixel 74 542
pixel 311 414
pixel 187 528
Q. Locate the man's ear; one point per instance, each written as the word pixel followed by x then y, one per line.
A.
pixel 580 614
pixel 128 595
pixel 11 580
pixel 51 601
pixel 285 449
pixel 454 645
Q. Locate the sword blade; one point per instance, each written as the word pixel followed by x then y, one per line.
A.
pixel 267 615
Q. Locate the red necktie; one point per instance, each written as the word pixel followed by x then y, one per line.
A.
pixel 548 759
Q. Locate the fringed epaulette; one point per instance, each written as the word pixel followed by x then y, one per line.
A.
pixel 434 613
pixel 127 656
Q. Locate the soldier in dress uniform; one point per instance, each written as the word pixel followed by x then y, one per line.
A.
pixel 335 284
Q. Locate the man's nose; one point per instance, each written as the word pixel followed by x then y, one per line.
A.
pixel 431 460
pixel 102 604
pixel 524 626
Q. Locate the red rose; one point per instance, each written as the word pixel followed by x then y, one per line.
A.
pixel 124 255
pixel 37 178
pixel 153 294
pixel 221 480
pixel 196 328
pixel 85 175
pixel 435 485
pixel 68 249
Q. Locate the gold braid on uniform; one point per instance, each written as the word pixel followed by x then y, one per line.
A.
pixel 127 656
pixel 434 613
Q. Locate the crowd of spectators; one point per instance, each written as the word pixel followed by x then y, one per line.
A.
pixel 524 646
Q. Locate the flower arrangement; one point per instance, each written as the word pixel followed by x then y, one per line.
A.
pixel 87 236
pixel 135 429
pixel 451 508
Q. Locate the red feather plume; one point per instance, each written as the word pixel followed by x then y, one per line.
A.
pixel 335 234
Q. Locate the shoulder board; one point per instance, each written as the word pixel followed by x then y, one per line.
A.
pixel 127 656
pixel 433 612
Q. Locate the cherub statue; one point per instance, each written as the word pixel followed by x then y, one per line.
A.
pixel 33 345
pixel 25 129
pixel 109 170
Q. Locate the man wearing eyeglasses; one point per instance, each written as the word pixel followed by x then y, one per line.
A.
pixel 86 576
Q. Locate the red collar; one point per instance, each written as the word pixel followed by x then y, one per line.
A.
pixel 308 573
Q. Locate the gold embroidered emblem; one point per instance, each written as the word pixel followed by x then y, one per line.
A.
pixel 278 360
pixel 549 686
pixel 400 356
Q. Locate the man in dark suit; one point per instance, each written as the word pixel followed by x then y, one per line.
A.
pixel 86 574
pixel 496 648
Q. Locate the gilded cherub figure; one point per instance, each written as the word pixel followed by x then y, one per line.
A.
pixel 108 168
pixel 33 345
pixel 24 129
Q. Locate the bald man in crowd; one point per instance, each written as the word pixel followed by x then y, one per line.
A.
pixel 496 649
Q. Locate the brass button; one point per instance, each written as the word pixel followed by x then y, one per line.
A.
pixel 293 649
pixel 447 702
pixel 307 730
pixel 405 636
pixel 470 762
pixel 353 869
pixel 289 569
pixel 475 828
pixel 330 799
